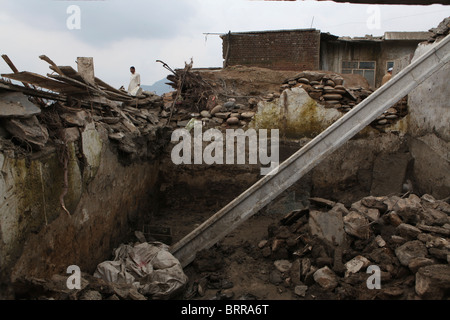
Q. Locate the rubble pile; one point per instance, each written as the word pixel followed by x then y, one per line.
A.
pixel 62 105
pixel 441 31
pixel 329 248
pixel 328 89
pixel 217 113
pixel 393 114
pixel 211 97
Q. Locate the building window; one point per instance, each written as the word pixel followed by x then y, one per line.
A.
pixel 389 64
pixel 364 68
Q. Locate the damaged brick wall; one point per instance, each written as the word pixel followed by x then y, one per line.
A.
pixel 277 50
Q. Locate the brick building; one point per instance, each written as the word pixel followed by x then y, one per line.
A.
pixel 277 50
pixel 309 49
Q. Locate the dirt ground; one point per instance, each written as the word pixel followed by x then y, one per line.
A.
pixel 240 261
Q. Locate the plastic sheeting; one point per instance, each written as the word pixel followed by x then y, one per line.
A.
pixel 148 266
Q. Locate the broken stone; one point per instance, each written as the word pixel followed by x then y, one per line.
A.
pixel 408 231
pixel 205 114
pixel 433 241
pixel 332 96
pixel 91 295
pixel 17 105
pixel 382 256
pixel 375 203
pixel 78 118
pixel 233 121
pixel 410 250
pixel 195 115
pixel 416 263
pixel 133 294
pixel 398 240
pixel 283 265
pixel 300 290
pixel 277 244
pixel 70 134
pixel 357 225
pixel 432 282
pixel 392 292
pixel 222 115
pixel 116 136
pixel 324 261
pixel 428 198
pixel 295 272
pixel 391 201
pixel 247 115
pixel 229 104
pixel 372 214
pixel 440 254
pixel 326 278
pixel 165 114
pixel 305 266
pixel 408 209
pixel 394 219
pixel 322 203
pixel 328 226
pixel 303 80
pixel 380 241
pixel 217 120
pixel 28 130
pixel 275 277
pixel 252 102
pixel 182 123
pixel 356 264
pixel 431 216
pixel 340 208
pixel 443 231
pixel 262 243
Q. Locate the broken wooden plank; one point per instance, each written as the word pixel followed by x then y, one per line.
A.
pixel 40 81
pixel 8 61
pixel 108 87
pixel 32 92
pixel 77 83
pixel 53 65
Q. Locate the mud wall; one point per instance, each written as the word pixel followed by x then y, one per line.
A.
pixel 106 201
pixel 429 119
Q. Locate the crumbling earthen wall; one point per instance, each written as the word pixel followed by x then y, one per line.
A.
pixel 430 131
pixel 277 50
pixel 107 201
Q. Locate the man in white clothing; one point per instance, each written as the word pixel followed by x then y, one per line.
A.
pixel 135 81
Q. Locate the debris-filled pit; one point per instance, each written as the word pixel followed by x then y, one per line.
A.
pixel 89 180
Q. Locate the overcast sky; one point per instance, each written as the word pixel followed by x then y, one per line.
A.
pixel 121 33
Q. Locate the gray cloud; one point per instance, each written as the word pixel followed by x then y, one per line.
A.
pixel 103 22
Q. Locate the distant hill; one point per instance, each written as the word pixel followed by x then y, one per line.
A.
pixel 159 87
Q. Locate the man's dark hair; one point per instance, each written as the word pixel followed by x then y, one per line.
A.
pixel 132 67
